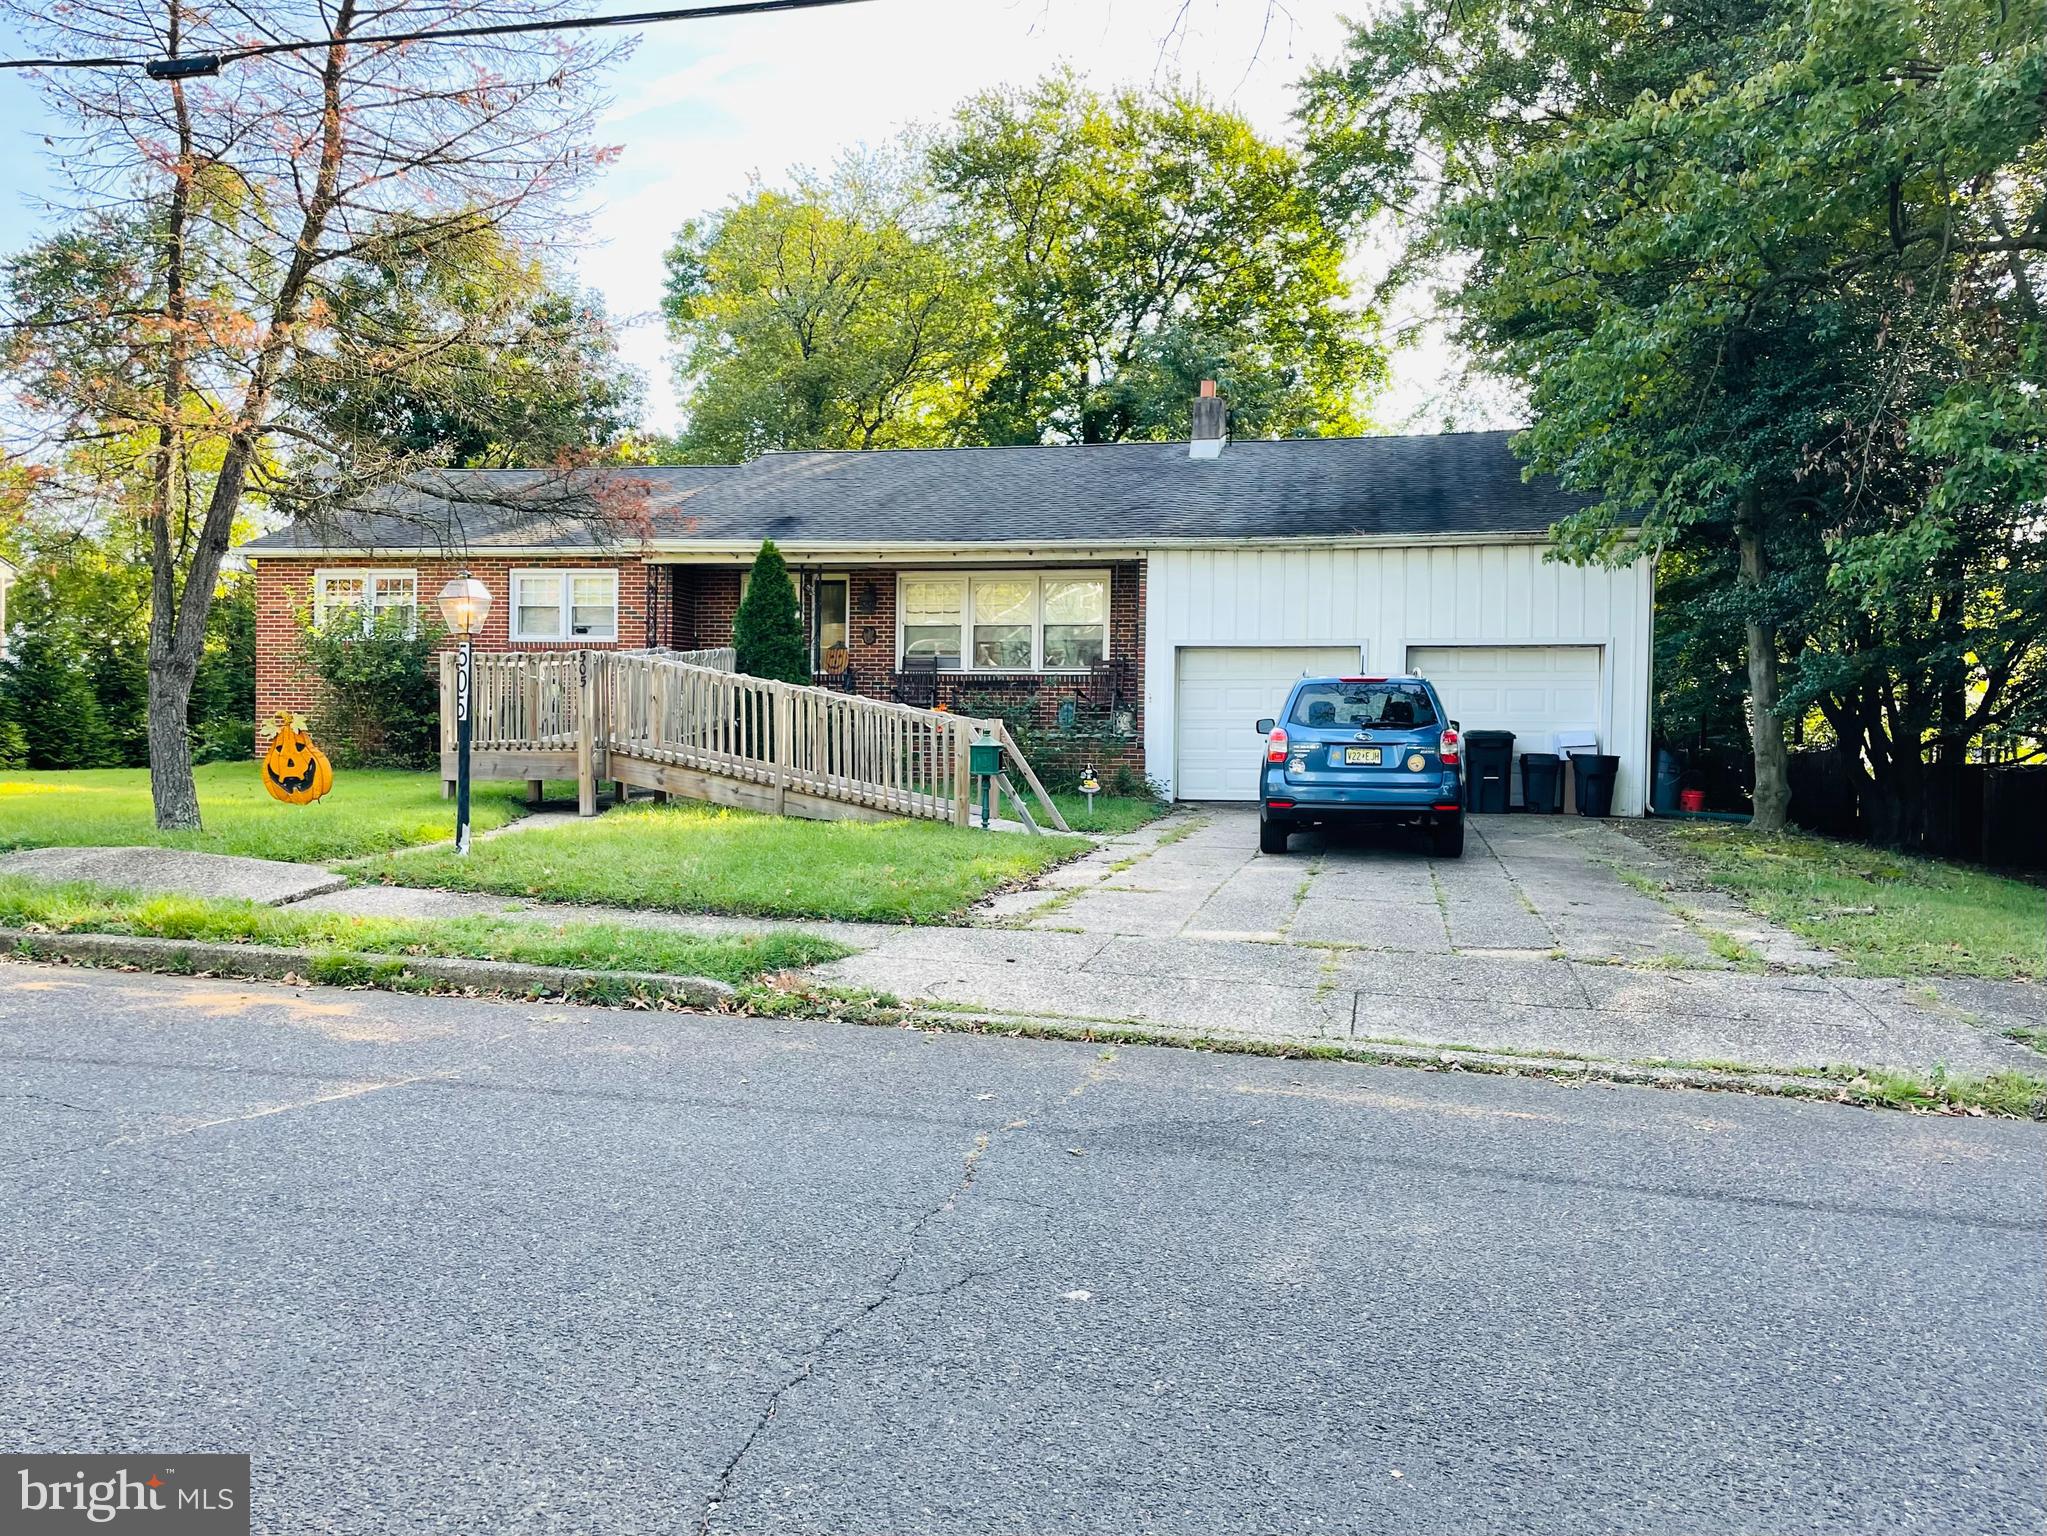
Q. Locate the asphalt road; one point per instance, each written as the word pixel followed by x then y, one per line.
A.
pixel 468 1267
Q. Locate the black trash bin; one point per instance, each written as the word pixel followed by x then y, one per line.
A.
pixel 1489 759
pixel 1664 787
pixel 1592 774
pixel 1542 783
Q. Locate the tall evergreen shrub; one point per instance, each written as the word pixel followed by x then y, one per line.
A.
pixel 768 633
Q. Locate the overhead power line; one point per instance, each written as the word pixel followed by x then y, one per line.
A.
pixel 185 66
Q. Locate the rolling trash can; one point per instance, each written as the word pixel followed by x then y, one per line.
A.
pixel 1593 775
pixel 1665 787
pixel 1542 783
pixel 1489 756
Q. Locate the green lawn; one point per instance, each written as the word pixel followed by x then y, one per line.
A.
pixel 369 811
pixel 1112 813
pixel 76 908
pixel 1888 914
pixel 698 858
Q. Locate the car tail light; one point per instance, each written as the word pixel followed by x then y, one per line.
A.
pixel 1452 743
pixel 1275 745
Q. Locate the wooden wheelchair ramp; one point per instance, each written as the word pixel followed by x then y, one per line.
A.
pixel 683 723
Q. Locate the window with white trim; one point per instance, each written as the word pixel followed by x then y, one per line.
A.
pixel 1005 621
pixel 564 606
pixel 933 608
pixel 1076 634
pixel 378 598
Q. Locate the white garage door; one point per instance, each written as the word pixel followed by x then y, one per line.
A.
pixel 1531 690
pixel 1221 691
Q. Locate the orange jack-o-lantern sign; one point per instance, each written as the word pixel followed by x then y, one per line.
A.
pixel 294 770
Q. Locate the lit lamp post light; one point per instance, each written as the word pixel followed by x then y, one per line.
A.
pixel 465 604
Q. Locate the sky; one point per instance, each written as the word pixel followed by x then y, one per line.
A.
pixel 704 106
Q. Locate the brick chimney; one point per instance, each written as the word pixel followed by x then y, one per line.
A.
pixel 1211 424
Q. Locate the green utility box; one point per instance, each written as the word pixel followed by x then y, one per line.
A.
pixel 984 758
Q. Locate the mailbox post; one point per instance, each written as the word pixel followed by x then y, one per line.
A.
pixel 984 760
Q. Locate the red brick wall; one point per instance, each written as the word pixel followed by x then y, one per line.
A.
pixel 691 608
pixel 284 592
pixel 706 602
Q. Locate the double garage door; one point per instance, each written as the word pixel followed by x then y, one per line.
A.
pixel 1531 690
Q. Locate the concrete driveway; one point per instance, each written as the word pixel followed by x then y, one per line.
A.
pixel 1526 885
pixel 1550 936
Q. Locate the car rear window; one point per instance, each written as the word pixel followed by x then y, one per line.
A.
pixel 1335 705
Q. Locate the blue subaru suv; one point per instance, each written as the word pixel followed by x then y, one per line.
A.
pixel 1362 749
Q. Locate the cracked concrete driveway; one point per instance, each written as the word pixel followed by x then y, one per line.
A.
pixel 1550 936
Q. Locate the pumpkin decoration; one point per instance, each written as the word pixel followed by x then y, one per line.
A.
pixel 294 770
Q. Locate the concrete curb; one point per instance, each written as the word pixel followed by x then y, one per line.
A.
pixel 343 967
pixel 1559 1068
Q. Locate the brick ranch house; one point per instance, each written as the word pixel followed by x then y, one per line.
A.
pixel 1161 593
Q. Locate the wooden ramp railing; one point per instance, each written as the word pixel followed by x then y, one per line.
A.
pixel 684 723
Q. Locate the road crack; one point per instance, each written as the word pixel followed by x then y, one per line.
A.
pixel 886 1291
pixel 44 1098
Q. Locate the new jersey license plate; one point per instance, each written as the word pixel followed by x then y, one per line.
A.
pixel 1361 757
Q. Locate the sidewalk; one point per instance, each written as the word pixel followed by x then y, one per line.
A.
pixel 1530 945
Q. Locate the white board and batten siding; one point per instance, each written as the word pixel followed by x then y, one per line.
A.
pixel 1505 632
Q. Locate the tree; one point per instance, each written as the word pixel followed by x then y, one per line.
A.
pixel 85 593
pixel 1770 275
pixel 219 224
pixel 46 695
pixel 530 375
pixel 1138 243
pixel 1056 265
pixel 223 711
pixel 832 315
pixel 768 631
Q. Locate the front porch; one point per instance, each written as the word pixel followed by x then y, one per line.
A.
pixel 1057 647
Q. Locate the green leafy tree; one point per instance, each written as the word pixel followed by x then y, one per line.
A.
pixel 87 593
pixel 1056 264
pixel 224 691
pixel 89 601
pixel 832 315
pixel 768 631
pixel 529 375
pixel 154 342
pixel 1139 243
pixel 46 695
pixel 1770 275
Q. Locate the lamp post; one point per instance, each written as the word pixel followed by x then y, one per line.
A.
pixel 465 604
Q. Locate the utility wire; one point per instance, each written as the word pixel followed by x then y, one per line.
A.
pixel 179 66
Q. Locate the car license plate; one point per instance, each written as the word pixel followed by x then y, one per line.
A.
pixel 1367 757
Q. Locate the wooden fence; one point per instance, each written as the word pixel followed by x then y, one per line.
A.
pixel 683 723
pixel 1985 813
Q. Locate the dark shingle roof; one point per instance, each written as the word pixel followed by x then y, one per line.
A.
pixel 481 509
pixel 1124 494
